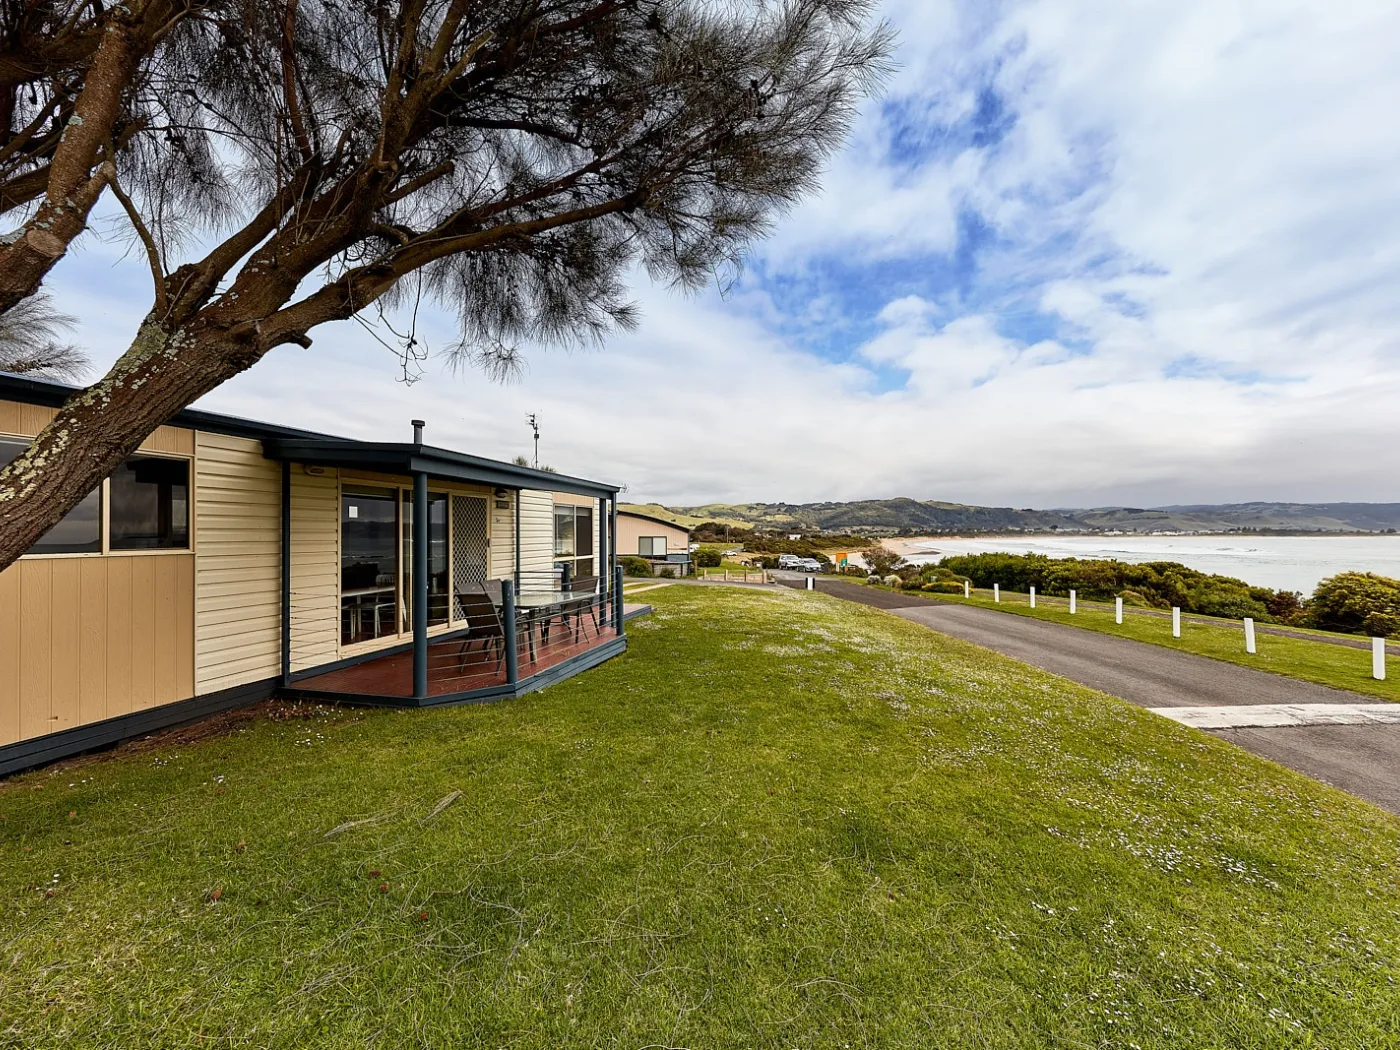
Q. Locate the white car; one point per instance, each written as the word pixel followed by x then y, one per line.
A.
pixel 807 565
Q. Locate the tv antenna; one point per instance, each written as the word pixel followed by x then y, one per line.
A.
pixel 535 426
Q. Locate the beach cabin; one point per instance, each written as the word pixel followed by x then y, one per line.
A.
pixel 662 543
pixel 229 561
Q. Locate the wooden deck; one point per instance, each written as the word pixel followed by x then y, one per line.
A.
pixel 460 665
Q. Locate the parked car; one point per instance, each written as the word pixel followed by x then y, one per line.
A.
pixel 808 565
pixel 789 561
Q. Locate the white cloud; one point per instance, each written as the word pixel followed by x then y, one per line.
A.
pixel 1202 193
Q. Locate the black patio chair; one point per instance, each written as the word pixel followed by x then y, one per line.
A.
pixel 474 605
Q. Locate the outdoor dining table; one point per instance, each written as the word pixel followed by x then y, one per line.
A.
pixel 536 607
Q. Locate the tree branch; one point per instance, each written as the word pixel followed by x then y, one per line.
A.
pixel 162 304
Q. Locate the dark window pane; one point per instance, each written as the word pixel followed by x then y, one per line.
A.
pixel 150 504
pixel 368 565
pixel 583 530
pixel 438 597
pixel 79 531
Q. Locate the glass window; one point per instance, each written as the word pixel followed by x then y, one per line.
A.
pixel 584 535
pixel 150 504
pixel 438 594
pixel 653 546
pixel 368 564
pixel 563 530
pixel 77 532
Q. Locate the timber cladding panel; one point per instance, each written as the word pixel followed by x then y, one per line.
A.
pixel 238 577
pixel 315 619
pixel 28 420
pixel 88 638
pixel 536 533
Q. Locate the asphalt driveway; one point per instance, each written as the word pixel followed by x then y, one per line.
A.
pixel 1362 759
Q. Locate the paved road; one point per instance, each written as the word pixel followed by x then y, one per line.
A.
pixel 1144 674
pixel 1362 759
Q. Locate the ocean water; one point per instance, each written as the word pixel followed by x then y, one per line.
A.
pixel 1294 563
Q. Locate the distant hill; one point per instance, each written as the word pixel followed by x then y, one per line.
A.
pixel 932 517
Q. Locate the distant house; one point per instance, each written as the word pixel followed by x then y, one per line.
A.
pixel 663 543
pixel 228 561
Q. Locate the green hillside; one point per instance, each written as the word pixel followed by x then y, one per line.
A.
pixel 936 517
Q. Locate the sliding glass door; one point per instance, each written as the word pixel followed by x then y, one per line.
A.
pixel 369 566
pixel 376 543
pixel 439 596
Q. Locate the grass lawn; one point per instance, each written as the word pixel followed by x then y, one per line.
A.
pixel 1326 663
pixel 781 820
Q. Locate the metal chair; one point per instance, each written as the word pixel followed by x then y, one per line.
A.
pixel 474 605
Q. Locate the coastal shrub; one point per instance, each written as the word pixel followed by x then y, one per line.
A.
pixel 634 566
pixel 872 578
pixel 1159 584
pixel 1357 603
pixel 943 587
pixel 882 561
pixel 893 581
pixel 667 573
pixel 1135 599
pixel 707 558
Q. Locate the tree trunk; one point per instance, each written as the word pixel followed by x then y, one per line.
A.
pixel 97 428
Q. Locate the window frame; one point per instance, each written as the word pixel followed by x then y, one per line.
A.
pixel 594 554
pixel 402 574
pixel 665 546
pixel 104 518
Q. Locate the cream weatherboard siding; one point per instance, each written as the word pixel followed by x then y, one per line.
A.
pixel 536 536
pixel 315 618
pixel 503 537
pixel 238 563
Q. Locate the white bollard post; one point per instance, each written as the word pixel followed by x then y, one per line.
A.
pixel 996 592
pixel 1249 634
pixel 811 584
pixel 1118 610
pixel 1073 602
pixel 967 589
pixel 1176 621
pixel 1378 659
pixel 1032 596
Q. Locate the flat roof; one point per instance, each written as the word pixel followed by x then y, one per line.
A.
pixel 308 446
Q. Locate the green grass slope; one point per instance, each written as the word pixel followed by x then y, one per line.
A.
pixel 779 821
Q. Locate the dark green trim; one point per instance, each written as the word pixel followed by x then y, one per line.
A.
pixel 399 458
pixel 69 742
pixel 287 573
pixel 420 585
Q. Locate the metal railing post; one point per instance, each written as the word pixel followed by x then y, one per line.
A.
pixel 508 632
pixel 420 585
pixel 617 599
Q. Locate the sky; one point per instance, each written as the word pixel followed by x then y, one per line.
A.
pixel 1077 254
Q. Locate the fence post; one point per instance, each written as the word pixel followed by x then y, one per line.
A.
pixel 996 592
pixel 1249 634
pixel 1032 596
pixel 508 632
pixel 1118 610
pixel 1176 621
pixel 967 589
pixel 1378 659
pixel 617 599
pixel 1073 602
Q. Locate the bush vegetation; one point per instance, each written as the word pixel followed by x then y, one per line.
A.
pixel 634 566
pixel 1357 603
pixel 707 558
pixel 1351 602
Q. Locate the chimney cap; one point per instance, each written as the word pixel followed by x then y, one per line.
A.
pixel 418 422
